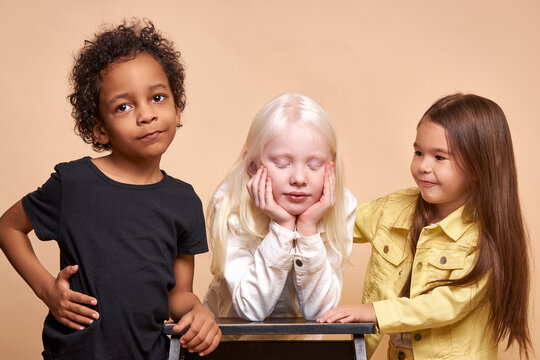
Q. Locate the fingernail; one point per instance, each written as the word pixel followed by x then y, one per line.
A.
pixel 90 321
pixel 95 316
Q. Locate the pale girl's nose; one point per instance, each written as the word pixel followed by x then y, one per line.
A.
pixel 299 176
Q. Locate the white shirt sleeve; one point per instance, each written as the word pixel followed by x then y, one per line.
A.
pixel 319 269
pixel 256 271
pixel 256 275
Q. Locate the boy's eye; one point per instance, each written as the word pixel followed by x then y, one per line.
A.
pixel 418 153
pixel 439 157
pixel 158 98
pixel 123 107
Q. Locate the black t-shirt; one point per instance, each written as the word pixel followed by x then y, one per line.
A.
pixel 125 239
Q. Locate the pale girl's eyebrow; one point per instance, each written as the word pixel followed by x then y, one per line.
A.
pixel 280 157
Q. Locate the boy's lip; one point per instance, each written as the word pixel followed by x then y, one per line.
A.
pixel 150 135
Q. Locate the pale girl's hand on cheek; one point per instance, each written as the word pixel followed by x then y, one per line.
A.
pixel 260 190
pixel 306 224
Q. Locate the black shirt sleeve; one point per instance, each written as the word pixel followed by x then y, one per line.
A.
pixel 44 208
pixel 192 240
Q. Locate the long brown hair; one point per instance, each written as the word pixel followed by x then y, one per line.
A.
pixel 478 135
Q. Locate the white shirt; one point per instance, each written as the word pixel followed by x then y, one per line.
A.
pixel 279 277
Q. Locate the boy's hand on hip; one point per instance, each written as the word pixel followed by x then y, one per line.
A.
pixel 203 335
pixel 65 304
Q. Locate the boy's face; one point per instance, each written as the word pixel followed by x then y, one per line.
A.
pixel 137 109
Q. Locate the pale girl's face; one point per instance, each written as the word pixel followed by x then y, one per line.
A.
pixel 435 171
pixel 296 159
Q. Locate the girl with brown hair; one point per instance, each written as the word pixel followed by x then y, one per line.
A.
pixel 448 275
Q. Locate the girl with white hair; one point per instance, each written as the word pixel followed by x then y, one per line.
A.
pixel 281 222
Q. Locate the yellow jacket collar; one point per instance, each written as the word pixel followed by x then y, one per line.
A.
pixel 401 217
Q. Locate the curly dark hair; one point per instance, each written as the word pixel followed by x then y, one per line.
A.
pixel 123 42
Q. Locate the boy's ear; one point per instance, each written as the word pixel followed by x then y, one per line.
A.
pixel 178 118
pixel 100 135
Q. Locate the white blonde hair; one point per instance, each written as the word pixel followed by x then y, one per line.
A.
pixel 232 197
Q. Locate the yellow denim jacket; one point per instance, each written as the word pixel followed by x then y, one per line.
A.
pixel 445 323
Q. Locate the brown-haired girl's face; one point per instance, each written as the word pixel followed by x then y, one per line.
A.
pixel 435 170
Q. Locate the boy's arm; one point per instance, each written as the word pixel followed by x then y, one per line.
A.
pixel 65 305
pixel 203 335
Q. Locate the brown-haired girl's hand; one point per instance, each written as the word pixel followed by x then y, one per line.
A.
pixel 306 223
pixel 349 313
pixel 66 305
pixel 260 190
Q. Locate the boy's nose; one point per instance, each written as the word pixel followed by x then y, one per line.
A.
pixel 146 114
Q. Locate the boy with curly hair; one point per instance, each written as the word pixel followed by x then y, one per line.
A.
pixel 127 231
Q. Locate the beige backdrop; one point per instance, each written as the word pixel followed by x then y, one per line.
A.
pixel 374 66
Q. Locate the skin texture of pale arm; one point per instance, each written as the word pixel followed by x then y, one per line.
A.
pixel 203 335
pixel 67 306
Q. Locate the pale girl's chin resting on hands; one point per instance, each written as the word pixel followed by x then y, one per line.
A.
pixel 362 313
pixel 307 208
pixel 203 335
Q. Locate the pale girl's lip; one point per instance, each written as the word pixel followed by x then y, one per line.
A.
pixel 296 196
pixel 151 135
